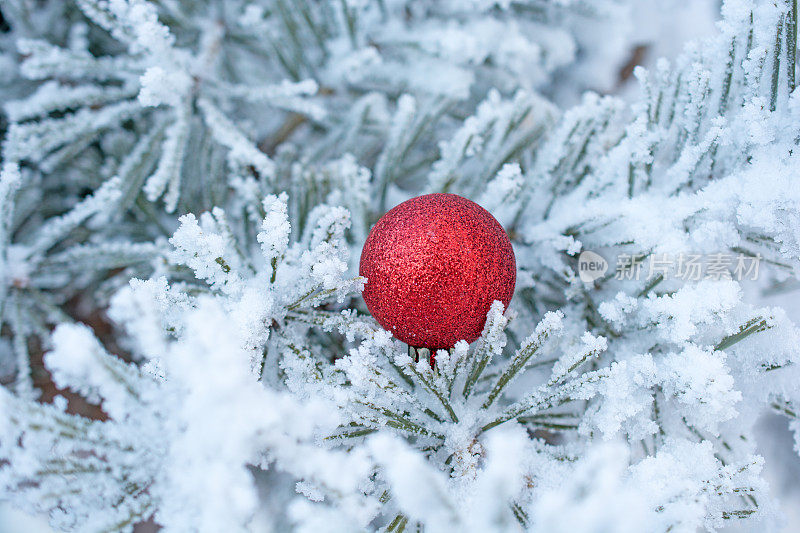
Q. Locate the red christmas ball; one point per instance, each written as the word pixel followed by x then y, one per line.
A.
pixel 434 265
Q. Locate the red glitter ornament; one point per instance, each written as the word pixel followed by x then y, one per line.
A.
pixel 434 265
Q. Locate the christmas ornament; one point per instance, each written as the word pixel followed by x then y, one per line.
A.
pixel 434 265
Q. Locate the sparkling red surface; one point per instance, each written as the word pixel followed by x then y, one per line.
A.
pixel 434 265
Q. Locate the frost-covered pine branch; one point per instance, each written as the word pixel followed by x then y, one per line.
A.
pixel 185 189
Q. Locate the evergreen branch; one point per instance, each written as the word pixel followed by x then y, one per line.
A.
pixel 399 421
pixel 753 325
pixel 784 407
pixel 565 366
pixel 397 525
pixel 352 433
pixel 791 44
pixel 433 389
pixel 546 398
pixel 491 341
pixel 776 64
pixel 549 325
